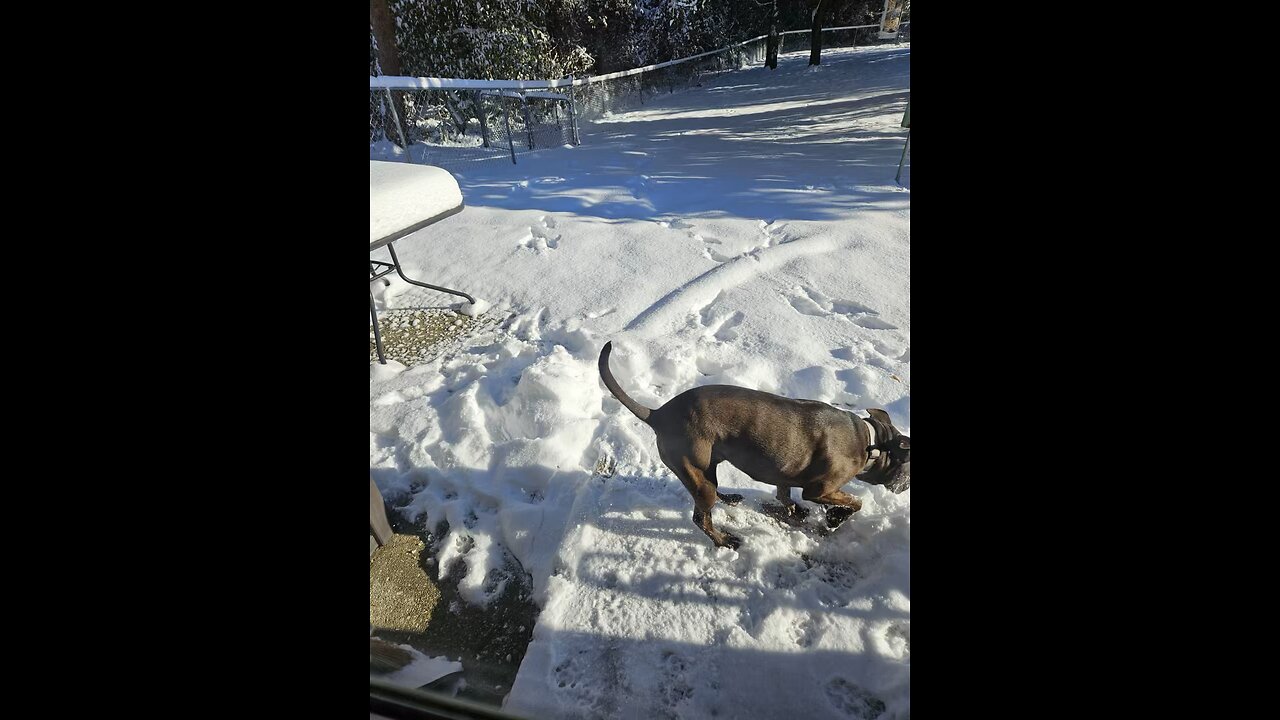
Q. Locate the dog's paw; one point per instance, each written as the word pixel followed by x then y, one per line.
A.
pixel 792 515
pixel 837 515
pixel 730 499
pixel 730 541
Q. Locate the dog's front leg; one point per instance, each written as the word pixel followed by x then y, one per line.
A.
pixel 845 505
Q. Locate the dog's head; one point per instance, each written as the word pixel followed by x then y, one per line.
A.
pixel 893 468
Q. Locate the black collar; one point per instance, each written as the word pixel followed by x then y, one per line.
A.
pixel 879 434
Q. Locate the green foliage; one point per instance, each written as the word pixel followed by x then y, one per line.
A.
pixel 540 39
pixel 481 39
pixel 622 34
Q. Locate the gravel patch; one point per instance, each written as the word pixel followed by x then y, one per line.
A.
pixel 415 336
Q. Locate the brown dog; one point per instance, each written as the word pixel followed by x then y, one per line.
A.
pixel 775 440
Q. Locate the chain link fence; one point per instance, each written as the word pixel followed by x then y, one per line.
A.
pixel 632 89
pixel 452 127
pixel 450 123
pixel 620 92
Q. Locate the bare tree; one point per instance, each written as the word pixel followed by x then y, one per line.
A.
pixel 771 48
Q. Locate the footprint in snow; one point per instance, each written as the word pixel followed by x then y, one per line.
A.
pixel 813 302
pixel 541 236
pixel 673 687
pixel 719 322
pixel 853 701
pixel 637 185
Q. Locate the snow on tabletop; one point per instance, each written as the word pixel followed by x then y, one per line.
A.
pixel 402 195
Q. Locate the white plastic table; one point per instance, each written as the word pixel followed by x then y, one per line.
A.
pixel 403 199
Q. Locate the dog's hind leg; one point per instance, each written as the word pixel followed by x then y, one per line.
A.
pixel 704 498
pixel 791 507
pixel 702 504
pixel 730 499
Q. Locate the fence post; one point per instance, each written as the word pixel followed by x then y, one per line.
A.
pixel 528 118
pixel 484 122
pixel 404 138
pixel 573 113
pixel 506 119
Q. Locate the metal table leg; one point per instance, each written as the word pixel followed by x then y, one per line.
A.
pixel 377 336
pixel 898 178
pixel 375 274
pixel 396 261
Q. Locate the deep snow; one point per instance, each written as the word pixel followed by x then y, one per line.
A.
pixel 745 232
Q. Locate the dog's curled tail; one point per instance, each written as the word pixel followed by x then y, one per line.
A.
pixel 636 408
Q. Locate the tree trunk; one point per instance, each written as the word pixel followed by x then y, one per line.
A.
pixel 771 48
pixel 815 37
pixel 384 31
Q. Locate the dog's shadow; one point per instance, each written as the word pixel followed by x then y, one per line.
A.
pixel 829 574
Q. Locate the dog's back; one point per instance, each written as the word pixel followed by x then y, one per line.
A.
pixel 770 437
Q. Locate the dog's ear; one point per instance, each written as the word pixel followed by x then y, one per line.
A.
pixel 880 415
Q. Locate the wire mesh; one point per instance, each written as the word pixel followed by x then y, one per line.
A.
pixel 449 128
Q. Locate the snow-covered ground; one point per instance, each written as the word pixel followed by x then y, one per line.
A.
pixel 747 232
